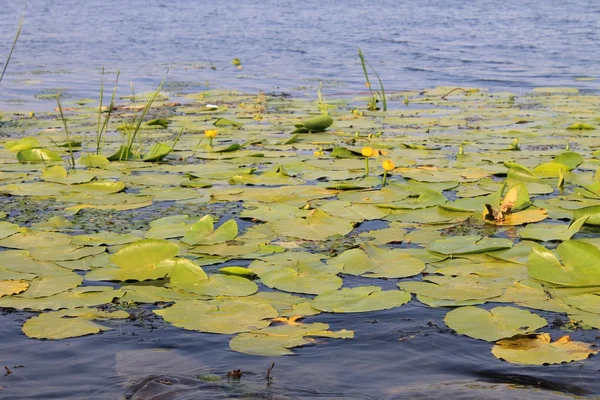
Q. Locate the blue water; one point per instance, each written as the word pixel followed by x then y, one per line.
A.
pixel 289 45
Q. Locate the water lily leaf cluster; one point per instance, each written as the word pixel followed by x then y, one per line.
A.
pixel 490 211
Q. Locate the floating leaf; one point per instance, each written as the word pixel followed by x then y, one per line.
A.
pixel 25 143
pixel 37 155
pixel 470 244
pixel 59 174
pixel 144 254
pixel 202 232
pixel 157 152
pixel 73 298
pixel 277 340
pixel 219 316
pixel 68 323
pixel 592 213
pixel 547 232
pixel 300 279
pixel 375 262
pixel 318 225
pixel 540 350
pixel 360 299
pixel 7 229
pixel 495 324
pixel 580 264
pixel 453 289
pixel 314 125
pixel 8 287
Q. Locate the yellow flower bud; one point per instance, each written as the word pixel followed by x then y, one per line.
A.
pixel 210 133
pixel 367 152
pixel 388 165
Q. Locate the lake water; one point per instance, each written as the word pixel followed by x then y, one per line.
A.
pixel 289 46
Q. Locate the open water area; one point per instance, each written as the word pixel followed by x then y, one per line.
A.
pixel 288 47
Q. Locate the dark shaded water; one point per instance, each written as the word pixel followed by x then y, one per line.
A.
pixel 289 46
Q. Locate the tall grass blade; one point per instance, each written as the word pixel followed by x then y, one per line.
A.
pixel 373 102
pixel 321 103
pixel 138 123
pixel 64 120
pixel 14 43
pixel 102 130
pixel 383 98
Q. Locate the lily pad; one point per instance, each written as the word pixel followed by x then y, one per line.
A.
pixel 219 316
pixel 470 244
pixel 68 323
pixel 495 324
pixel 580 264
pixel 540 350
pixel 360 299
pixel 277 340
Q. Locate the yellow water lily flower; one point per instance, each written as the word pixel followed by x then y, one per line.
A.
pixel 367 152
pixel 210 133
pixel 387 165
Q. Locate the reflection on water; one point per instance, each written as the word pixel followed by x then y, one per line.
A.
pixel 150 358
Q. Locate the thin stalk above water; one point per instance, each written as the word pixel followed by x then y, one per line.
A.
pixel 64 120
pixel 14 43
pixel 374 95
pixel 131 137
pixel 102 128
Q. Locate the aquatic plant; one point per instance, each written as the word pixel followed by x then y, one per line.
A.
pixel 388 165
pixel 301 212
pixel 14 44
pixel 137 122
pixel 101 127
pixel 71 157
pixel 366 153
pixel 375 96
pixel 210 134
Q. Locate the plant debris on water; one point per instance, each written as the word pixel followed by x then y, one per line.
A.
pixel 247 214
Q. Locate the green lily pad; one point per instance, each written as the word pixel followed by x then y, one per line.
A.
pixel 37 156
pixel 318 225
pixel 144 254
pixel 470 244
pixel 68 323
pixel 300 278
pixel 360 299
pixel 7 229
pixel 493 325
pixel 73 298
pixel 547 232
pixel 202 232
pixel 219 316
pixel 580 264
pixel 592 213
pixel 277 340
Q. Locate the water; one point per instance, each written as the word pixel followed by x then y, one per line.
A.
pixel 289 46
